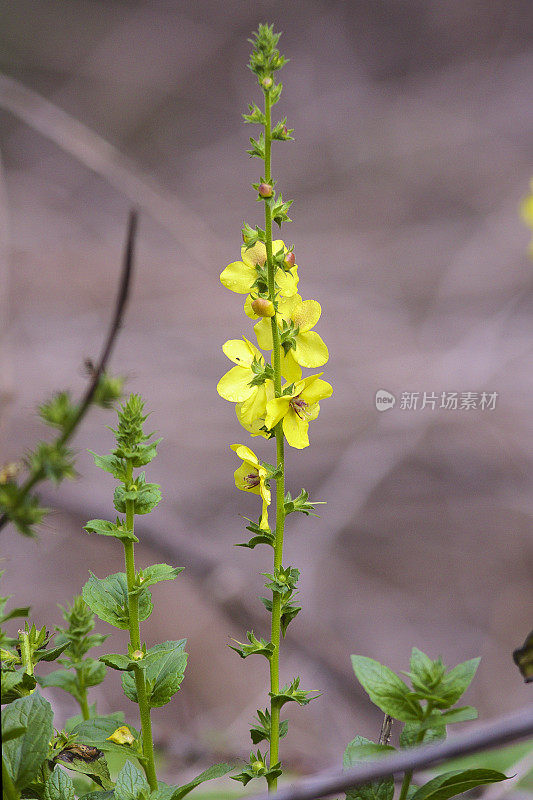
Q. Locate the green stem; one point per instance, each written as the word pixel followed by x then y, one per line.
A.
pixel 419 739
pixel 280 463
pixel 25 653
pixel 82 690
pixel 135 641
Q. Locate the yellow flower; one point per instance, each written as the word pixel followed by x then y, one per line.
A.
pixel 251 413
pixel 235 384
pixel 239 276
pixel 310 350
pixel 526 209
pixel 122 735
pixel 251 477
pixel 298 409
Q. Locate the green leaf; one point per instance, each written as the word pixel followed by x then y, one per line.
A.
pixel 97 769
pixel 292 692
pixel 386 690
pixel 15 684
pixel 144 453
pixel 96 732
pixel 50 655
pixel 456 682
pixel 414 733
pixel 59 786
pixel 358 751
pixel 108 598
pixel 157 573
pixel 109 795
pixel 145 496
pixel 111 463
pixel 255 647
pixel 13 733
pixel 24 755
pixel 456 782
pixel 463 714
pixel 119 661
pixel 164 666
pixel 177 792
pixel 60 679
pixel 15 612
pixel 131 783
pixel 116 529
pixel 523 658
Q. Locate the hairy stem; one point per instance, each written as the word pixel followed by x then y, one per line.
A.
pixel 135 641
pixel 280 462
pixel 82 689
pixel 25 653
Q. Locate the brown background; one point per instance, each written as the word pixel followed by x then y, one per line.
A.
pixel 413 125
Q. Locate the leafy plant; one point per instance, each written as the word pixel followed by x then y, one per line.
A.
pixel 425 709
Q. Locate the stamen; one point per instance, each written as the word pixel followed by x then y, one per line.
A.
pixel 298 406
pixel 252 480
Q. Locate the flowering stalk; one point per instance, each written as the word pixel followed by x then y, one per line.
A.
pixel 268 275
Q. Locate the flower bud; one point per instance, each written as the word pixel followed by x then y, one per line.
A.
pixel 266 83
pixel 137 655
pixel 257 766
pixel 263 307
pixel 265 190
pixel 290 260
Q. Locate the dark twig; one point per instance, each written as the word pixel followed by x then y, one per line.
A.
pixel 96 373
pixel 386 728
pixel 492 734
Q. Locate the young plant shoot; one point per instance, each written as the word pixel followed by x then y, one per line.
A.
pixel 273 398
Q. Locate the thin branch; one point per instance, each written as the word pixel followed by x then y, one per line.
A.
pixel 492 734
pixel 116 322
pixel 102 158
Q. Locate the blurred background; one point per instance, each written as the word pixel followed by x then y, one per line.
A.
pixel 413 125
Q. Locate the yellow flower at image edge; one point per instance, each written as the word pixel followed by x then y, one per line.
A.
pixel 251 477
pixel 239 276
pixel 298 409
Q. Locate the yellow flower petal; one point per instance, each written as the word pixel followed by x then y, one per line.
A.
pixel 122 735
pixel 245 453
pixel 238 277
pixel 287 281
pixel 295 430
pixel 306 315
pixel 263 332
pixel 311 350
pixel 248 310
pixel 234 385
pixel 254 255
pixel 254 428
pixel 289 367
pixel 240 351
pixel 275 410
pixel 242 477
pixel 315 391
pixel 255 406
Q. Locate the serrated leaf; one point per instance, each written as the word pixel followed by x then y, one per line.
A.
pixel 360 750
pixel 455 683
pixel 59 786
pixel 50 655
pixel 111 463
pixel 108 795
pixel 24 755
pixel 96 732
pixel 145 498
pixel 108 598
pixel 105 528
pixel 164 666
pixel 13 733
pixel 97 769
pixel 386 690
pixel 60 679
pixel 118 661
pixel 145 453
pixel 131 783
pixel 159 572
pixel 177 792
pixel 16 684
pixel 456 782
